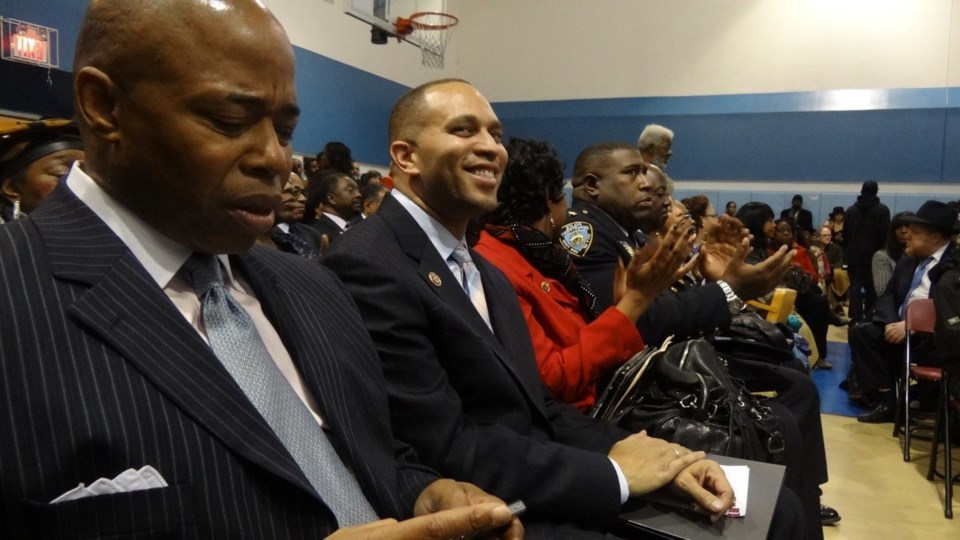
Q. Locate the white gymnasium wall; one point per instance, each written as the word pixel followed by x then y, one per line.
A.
pixel 576 49
pixel 322 27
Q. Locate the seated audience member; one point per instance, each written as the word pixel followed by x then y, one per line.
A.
pixel 241 375
pixel 289 234
pixel 34 156
pixel 616 192
pixel 837 281
pixel 886 259
pixel 331 204
pixel 371 197
pixel 573 341
pixel 876 346
pixel 835 223
pixel 811 303
pixel 801 217
pixel 298 168
pixel 703 214
pixel 453 342
pixel 335 157
pixel 369 177
pixel 731 208
pixel 311 166
pixel 355 171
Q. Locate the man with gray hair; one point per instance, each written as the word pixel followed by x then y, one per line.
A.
pixel 655 145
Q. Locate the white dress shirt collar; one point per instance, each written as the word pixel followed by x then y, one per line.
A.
pixel 158 254
pixel 342 223
pixel 442 239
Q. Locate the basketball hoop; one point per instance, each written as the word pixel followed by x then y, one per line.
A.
pixel 432 30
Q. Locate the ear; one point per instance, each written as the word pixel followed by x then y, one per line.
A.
pixel 591 184
pixel 404 156
pixel 96 97
pixel 9 190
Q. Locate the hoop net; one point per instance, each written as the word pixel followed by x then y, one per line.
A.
pixel 432 30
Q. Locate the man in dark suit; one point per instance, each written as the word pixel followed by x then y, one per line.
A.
pixel 335 200
pixel 801 217
pixel 104 356
pixel 877 346
pixel 289 234
pixel 461 373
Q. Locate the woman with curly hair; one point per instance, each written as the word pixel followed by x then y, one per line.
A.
pixel 574 342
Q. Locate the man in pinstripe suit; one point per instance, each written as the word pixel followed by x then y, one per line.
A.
pixel 187 108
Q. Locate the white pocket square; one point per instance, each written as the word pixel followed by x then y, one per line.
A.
pixel 129 480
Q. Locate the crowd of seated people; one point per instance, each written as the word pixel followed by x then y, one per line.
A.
pixel 449 372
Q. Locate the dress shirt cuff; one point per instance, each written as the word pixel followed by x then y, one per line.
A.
pixel 624 488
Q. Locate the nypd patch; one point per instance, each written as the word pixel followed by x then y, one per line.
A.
pixel 576 237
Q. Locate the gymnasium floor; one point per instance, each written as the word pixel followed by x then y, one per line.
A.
pixel 878 495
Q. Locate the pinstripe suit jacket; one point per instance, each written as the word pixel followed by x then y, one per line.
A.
pixel 99 373
pixel 469 400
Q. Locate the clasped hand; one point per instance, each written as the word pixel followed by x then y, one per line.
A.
pixel 650 463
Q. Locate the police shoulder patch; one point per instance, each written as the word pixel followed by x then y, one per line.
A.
pixel 576 237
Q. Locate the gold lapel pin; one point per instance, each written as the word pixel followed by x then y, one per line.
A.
pixel 545 286
pixel 435 279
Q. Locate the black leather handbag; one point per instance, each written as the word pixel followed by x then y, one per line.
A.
pixel 751 337
pixel 682 393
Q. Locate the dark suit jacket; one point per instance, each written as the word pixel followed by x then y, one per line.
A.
pixel 99 372
pixel 325 225
pixel 469 400
pixel 887 308
pixel 692 312
pixel 804 219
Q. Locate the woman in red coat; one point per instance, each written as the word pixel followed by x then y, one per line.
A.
pixel 574 343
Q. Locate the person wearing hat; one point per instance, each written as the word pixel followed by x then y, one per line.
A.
pixel 33 158
pixel 876 346
pixel 865 231
pixel 835 224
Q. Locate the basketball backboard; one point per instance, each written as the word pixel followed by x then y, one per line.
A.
pixel 383 13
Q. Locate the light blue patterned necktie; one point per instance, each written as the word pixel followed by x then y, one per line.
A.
pixel 914 283
pixel 237 344
pixel 470 280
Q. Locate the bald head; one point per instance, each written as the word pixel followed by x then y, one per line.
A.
pixel 187 109
pixel 132 40
pixel 594 157
pixel 409 115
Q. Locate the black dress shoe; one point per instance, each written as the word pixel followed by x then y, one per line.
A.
pixel 881 413
pixel 828 516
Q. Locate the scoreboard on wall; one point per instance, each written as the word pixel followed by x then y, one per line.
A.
pixel 30 43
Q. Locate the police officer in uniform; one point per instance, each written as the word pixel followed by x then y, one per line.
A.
pixel 617 200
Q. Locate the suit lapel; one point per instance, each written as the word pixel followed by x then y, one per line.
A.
pixel 122 306
pixel 507 328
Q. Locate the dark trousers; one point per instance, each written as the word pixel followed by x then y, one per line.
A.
pixel 877 363
pixel 862 293
pixel 797 405
pixel 815 310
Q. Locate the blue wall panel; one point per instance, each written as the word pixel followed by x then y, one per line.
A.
pixel 342 103
pixel 901 145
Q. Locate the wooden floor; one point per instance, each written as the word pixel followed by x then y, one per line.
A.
pixel 879 495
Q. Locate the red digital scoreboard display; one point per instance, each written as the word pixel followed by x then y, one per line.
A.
pixel 29 43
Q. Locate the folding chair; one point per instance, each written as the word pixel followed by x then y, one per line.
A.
pixel 780 306
pixel 920 317
pixel 941 428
